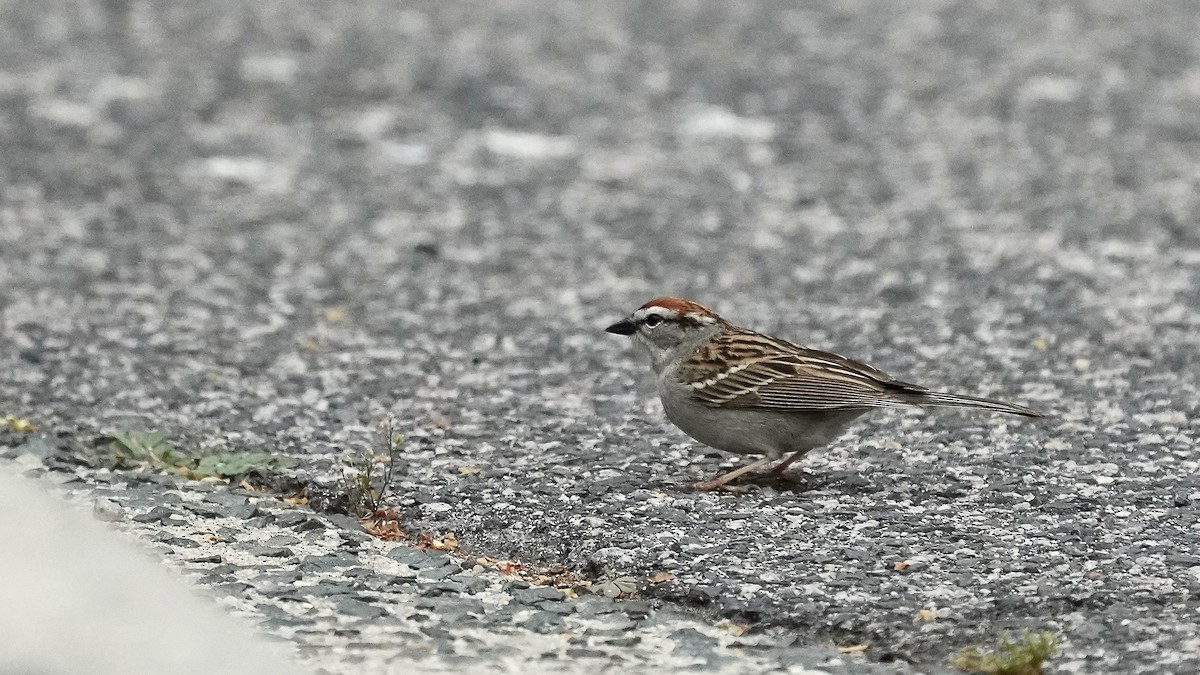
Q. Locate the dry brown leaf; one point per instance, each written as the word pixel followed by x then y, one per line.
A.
pixel 387 530
pixel 426 540
pixel 247 485
pixel 854 649
pixel 299 498
pixel 661 577
pixel 900 565
pixel 385 514
pixel 383 524
pixel 509 567
pixel 468 470
pixel 926 615
pixel 556 575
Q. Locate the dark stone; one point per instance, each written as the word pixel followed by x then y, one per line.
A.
pixel 584 653
pixel 159 514
pixel 354 607
pixel 152 497
pixel 623 641
pixel 536 594
pixel 299 521
pixel 438 573
pixel 446 586
pixel 418 559
pixel 348 524
pixel 636 609
pixel 692 641
pixel 207 510
pixel 270 551
pixel 226 499
pixel 543 622
pixel 470 582
pixel 235 588
pixel 251 514
pixel 327 587
pixel 180 542
pixel 594 606
pixel 323 563
pixel 555 606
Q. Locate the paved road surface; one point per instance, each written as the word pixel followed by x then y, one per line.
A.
pixel 267 224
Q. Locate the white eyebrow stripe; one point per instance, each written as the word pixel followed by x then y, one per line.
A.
pixel 665 313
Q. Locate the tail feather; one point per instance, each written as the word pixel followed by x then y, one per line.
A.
pixel 936 398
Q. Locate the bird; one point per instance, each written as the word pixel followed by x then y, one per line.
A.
pixel 744 392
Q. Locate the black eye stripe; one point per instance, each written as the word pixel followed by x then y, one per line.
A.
pixel 652 320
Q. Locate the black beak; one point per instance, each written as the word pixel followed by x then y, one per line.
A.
pixel 623 327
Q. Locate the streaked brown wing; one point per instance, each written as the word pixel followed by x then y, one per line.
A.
pixel 749 370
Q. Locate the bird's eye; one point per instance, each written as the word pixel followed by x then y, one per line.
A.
pixel 653 320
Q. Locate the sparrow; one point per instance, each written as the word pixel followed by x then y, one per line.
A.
pixel 743 392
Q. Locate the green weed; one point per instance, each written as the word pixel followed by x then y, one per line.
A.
pixel 151 450
pixel 369 474
pixel 1020 657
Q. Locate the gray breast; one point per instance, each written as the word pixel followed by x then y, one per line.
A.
pixel 750 431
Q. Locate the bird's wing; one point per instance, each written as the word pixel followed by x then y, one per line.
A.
pixel 743 369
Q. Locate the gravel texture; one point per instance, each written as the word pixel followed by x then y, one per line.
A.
pixel 350 603
pixel 268 225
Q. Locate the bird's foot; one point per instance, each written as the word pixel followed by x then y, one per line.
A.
pixel 718 484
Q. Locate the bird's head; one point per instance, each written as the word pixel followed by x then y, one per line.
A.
pixel 669 328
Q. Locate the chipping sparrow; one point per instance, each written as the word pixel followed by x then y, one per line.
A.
pixel 747 393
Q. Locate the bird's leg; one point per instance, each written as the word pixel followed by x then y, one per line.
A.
pixel 778 470
pixel 720 481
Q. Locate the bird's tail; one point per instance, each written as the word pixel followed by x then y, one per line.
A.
pixel 937 398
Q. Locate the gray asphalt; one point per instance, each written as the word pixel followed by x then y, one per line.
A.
pixel 267 225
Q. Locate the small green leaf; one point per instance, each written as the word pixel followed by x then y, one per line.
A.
pixel 152 449
pixel 626 584
pixel 611 587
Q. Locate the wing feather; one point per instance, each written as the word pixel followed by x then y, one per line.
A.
pixel 743 369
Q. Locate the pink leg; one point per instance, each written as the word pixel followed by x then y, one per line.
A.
pixel 778 470
pixel 721 480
